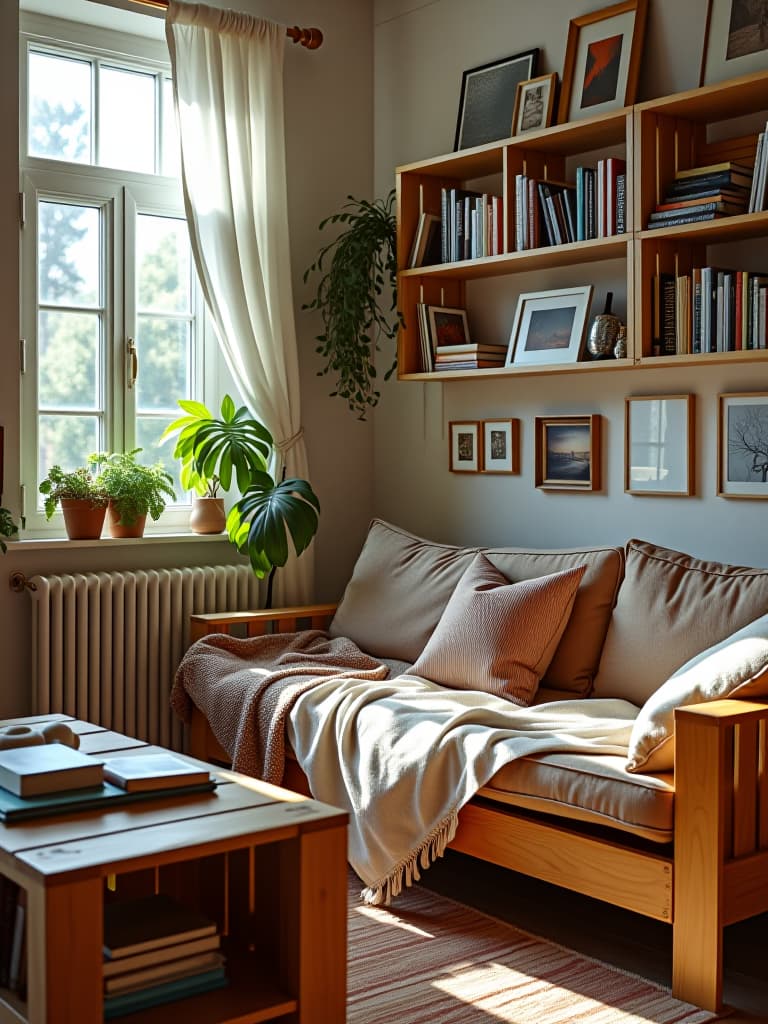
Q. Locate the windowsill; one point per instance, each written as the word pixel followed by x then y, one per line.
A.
pixel 62 543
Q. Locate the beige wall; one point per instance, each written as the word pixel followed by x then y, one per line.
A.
pixel 421 50
pixel 329 143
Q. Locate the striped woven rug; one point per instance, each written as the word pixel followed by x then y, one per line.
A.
pixel 428 960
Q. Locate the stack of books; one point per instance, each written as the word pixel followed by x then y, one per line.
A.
pixel 157 950
pixel 469 357
pixel 471 224
pixel 758 196
pixel 704 193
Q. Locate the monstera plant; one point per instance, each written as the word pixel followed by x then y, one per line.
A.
pixel 214 451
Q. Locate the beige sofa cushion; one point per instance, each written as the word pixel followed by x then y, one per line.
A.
pixel 401 584
pixel 586 787
pixel 736 667
pixel 671 607
pixel 498 636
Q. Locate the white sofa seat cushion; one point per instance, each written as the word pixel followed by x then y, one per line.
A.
pixel 591 788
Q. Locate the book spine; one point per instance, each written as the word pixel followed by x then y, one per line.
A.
pixel 445 230
pixel 668 311
pixel 569 206
pixel 696 323
pixel 738 310
pixel 580 205
pixel 548 229
pixel 601 198
pixel 590 214
pixel 621 204
pixel 688 218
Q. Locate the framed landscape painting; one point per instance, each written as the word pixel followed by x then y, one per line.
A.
pixel 658 445
pixel 549 326
pixel 602 60
pixel 742 429
pixel 567 451
pixel 735 39
pixel 487 98
pixel 465 451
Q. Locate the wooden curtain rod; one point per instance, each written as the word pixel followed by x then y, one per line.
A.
pixel 311 38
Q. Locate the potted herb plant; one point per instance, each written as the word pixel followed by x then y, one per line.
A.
pixel 81 497
pixel 211 450
pixel 134 490
pixel 7 527
pixel 237 446
pixel 358 268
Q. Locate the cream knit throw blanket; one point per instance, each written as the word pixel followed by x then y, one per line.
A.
pixel 402 756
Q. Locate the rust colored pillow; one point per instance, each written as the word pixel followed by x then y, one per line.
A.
pixel 498 636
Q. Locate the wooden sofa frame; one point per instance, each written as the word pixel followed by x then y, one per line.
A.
pixel 714 873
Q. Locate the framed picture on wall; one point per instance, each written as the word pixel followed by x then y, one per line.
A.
pixel 567 452
pixel 534 103
pixel 735 39
pixel 487 99
pixel 501 446
pixel 549 326
pixel 742 443
pixel 602 60
pixel 465 452
pixel 658 445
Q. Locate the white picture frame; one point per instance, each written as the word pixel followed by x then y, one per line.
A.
pixel 658 445
pixel 549 326
pixel 742 445
pixel 501 446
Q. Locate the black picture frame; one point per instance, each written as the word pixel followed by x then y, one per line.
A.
pixel 487 99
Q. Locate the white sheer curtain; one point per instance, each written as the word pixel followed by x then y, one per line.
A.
pixel 228 86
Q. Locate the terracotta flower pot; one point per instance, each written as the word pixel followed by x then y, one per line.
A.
pixel 134 529
pixel 207 515
pixel 83 520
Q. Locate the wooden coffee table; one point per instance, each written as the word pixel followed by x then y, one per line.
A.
pixel 268 865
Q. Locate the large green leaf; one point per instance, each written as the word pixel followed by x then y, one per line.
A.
pixel 260 522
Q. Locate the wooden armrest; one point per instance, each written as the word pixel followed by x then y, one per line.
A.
pixel 266 620
pixel 721 713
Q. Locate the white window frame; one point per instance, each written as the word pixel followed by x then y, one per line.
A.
pixel 122 195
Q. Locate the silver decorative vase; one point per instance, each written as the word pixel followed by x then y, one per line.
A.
pixel 603 332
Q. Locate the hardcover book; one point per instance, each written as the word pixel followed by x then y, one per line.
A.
pixel 47 768
pixel 152 771
pixel 138 926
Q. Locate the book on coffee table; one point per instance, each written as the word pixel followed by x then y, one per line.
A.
pixel 143 772
pixel 48 768
pixel 16 808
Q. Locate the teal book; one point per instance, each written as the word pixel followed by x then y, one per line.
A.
pixel 167 992
pixel 16 808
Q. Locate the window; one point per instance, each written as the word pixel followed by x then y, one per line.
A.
pixel 111 309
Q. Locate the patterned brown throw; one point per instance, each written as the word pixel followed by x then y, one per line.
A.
pixel 247 687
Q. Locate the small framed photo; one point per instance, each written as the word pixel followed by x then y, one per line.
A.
pixel 567 450
pixel 534 103
pixel 447 326
pixel 466 454
pixel 501 446
pixel 742 442
pixel 426 248
pixel 735 39
pixel 602 60
pixel 658 445
pixel 487 98
pixel 549 326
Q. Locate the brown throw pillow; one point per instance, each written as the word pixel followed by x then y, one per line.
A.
pixel 498 636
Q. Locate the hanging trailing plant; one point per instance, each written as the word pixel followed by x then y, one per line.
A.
pixel 359 275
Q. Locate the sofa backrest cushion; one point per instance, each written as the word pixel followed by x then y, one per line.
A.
pixel 496 636
pixel 671 607
pixel 735 667
pixel 401 584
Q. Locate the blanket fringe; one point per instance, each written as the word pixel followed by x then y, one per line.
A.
pixel 407 870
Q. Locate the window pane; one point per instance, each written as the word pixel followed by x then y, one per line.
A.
pixel 149 430
pixel 127 120
pixel 163 261
pixel 164 360
pixel 68 347
pixel 68 250
pixel 66 441
pixel 59 108
pixel 171 157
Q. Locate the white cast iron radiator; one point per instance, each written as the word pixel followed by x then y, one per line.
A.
pixel 106 645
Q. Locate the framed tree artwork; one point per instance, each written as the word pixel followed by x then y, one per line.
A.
pixel 567 452
pixel 602 60
pixel 742 442
pixel 465 452
pixel 658 445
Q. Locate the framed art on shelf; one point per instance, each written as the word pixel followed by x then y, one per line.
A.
pixel 549 326
pixel 658 445
pixel 465 453
pixel 447 326
pixel 742 445
pixel 501 446
pixel 534 103
pixel 602 60
pixel 567 452
pixel 487 98
pixel 735 39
